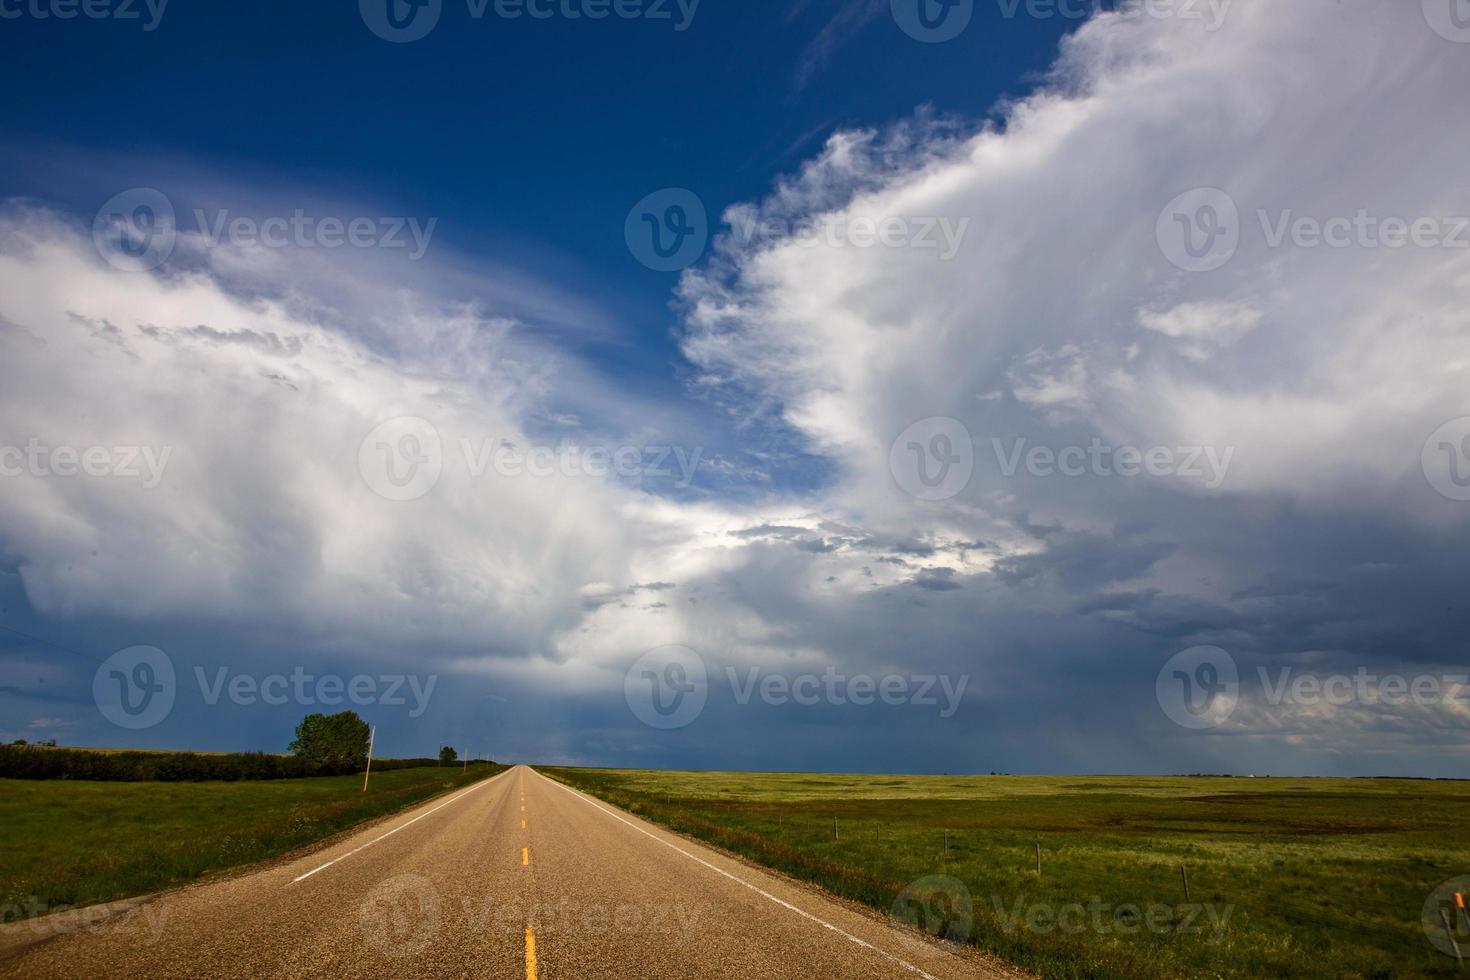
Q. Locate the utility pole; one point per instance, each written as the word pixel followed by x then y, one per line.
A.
pixel 372 733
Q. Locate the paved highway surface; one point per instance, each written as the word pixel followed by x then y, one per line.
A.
pixel 517 876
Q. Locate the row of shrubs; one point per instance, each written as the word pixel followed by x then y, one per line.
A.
pixel 37 762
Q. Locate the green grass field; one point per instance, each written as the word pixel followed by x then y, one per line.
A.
pixel 1287 877
pixel 73 842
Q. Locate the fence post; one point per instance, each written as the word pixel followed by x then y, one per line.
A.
pixel 1450 934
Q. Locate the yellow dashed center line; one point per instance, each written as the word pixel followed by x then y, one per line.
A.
pixel 526 860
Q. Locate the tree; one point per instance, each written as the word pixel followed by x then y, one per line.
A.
pixel 447 755
pixel 334 742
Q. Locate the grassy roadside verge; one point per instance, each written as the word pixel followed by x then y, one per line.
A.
pixel 73 843
pixel 1288 877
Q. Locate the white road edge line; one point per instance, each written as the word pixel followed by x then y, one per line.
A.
pixel 739 881
pixel 360 847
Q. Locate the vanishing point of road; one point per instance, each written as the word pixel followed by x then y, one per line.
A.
pixel 516 876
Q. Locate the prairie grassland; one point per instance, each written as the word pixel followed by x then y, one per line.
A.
pixel 75 842
pixel 1287 877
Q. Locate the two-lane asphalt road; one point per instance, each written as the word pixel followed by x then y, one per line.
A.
pixel 517 876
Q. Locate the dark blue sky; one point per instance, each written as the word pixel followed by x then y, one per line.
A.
pixel 526 138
